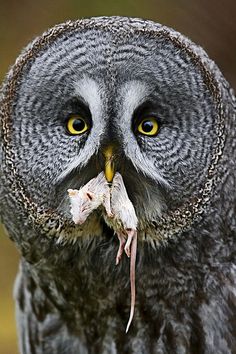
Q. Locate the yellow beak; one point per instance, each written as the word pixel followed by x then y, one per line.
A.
pixel 109 163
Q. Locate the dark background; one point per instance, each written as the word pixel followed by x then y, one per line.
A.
pixel 210 23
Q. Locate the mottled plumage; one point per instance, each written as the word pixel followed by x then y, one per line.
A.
pixel 70 295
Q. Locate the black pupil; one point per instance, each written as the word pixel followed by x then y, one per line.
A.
pixel 147 126
pixel 78 124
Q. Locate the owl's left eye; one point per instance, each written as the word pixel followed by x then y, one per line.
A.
pixel 148 126
pixel 76 125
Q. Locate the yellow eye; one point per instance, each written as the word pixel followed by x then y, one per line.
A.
pixel 148 126
pixel 76 125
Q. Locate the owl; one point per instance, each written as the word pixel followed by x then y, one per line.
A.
pixel 138 124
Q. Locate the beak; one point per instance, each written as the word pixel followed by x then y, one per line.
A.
pixel 109 169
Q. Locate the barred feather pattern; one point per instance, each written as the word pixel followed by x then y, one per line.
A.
pixel 70 295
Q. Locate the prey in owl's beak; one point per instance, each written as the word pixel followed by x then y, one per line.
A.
pixel 108 191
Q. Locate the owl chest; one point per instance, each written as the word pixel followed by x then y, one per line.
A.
pixel 91 300
pixel 95 291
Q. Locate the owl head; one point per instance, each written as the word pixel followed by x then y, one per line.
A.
pixel 136 90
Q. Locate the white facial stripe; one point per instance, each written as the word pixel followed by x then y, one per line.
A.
pixel 87 89
pixel 135 93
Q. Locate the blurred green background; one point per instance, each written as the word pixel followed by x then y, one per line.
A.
pixel 210 23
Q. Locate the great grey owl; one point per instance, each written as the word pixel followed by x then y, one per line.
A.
pixel 117 98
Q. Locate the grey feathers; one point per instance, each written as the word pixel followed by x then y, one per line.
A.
pixel 116 73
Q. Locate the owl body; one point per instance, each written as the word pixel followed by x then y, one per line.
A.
pixel 164 106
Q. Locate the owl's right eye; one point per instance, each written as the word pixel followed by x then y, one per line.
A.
pixel 76 125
